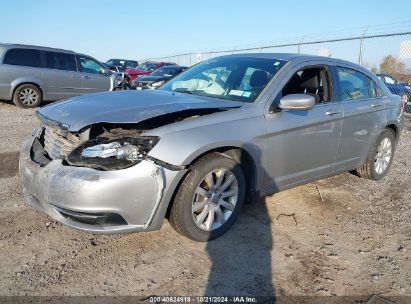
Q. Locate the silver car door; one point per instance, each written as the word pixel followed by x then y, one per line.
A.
pixel 60 76
pixel 363 115
pixel 94 77
pixel 302 145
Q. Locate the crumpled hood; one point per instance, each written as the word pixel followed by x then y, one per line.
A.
pixel 124 107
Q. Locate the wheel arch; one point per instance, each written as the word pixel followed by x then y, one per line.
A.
pixel 244 158
pixel 394 128
pixel 246 161
pixel 27 80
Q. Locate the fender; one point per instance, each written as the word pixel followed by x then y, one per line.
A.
pixel 27 79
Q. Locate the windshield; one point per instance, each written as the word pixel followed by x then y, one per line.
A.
pixel 233 78
pixel 147 66
pixel 113 62
pixel 166 71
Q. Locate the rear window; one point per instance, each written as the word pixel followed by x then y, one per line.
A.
pixel 354 85
pixel 131 64
pixel 60 61
pixel 147 66
pixel 25 57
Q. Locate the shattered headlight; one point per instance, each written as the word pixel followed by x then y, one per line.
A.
pixel 113 149
pixel 118 79
pixel 113 154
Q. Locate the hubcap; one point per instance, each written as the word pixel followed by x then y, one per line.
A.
pixel 215 199
pixel 28 96
pixel 383 157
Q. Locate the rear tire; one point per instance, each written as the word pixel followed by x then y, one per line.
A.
pixel 380 157
pixel 27 96
pixel 205 207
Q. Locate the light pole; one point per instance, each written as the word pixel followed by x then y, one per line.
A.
pixel 361 46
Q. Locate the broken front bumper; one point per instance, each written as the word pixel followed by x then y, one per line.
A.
pixel 128 200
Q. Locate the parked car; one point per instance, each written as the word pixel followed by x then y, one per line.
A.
pixel 158 77
pixel 30 75
pixel 122 79
pixel 396 87
pixel 227 130
pixel 146 68
pixel 123 64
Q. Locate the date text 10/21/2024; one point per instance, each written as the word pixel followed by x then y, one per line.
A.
pixel 202 299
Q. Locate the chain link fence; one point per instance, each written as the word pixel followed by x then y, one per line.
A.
pixel 369 51
pixel 385 54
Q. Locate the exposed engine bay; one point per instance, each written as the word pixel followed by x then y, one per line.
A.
pixel 106 146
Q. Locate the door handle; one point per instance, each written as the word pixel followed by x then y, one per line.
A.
pixel 75 76
pixel 329 113
pixel 86 77
pixel 376 105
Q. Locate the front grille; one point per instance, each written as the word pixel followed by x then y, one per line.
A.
pixel 58 143
pixel 101 219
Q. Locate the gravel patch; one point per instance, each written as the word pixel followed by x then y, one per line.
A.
pixel 354 242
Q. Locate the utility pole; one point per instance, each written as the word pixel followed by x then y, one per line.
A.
pixel 362 46
pixel 299 45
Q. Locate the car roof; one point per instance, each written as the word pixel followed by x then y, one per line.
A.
pixel 296 57
pixel 289 57
pixel 122 59
pixel 174 66
pixel 158 62
pixel 42 48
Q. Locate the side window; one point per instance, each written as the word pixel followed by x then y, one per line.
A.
pixel 354 85
pixel 25 57
pixel 314 81
pixel 89 65
pixel 60 61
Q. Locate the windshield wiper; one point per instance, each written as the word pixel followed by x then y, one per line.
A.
pixel 183 90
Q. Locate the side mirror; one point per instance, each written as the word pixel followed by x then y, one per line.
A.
pixel 299 102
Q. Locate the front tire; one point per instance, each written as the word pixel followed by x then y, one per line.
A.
pixel 210 198
pixel 27 96
pixel 380 157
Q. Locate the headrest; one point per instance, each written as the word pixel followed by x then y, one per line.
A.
pixel 309 80
pixel 258 78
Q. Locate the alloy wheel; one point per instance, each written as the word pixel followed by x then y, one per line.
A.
pixel 215 199
pixel 383 156
pixel 28 96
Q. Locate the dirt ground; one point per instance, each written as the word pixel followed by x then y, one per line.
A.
pixel 357 242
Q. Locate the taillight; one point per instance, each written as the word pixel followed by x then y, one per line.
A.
pixel 404 99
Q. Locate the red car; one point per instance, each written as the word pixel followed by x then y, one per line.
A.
pixel 145 68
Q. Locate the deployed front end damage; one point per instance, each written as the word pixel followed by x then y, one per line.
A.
pixel 107 194
pixel 92 170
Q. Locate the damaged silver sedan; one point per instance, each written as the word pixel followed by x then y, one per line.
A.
pixel 227 130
